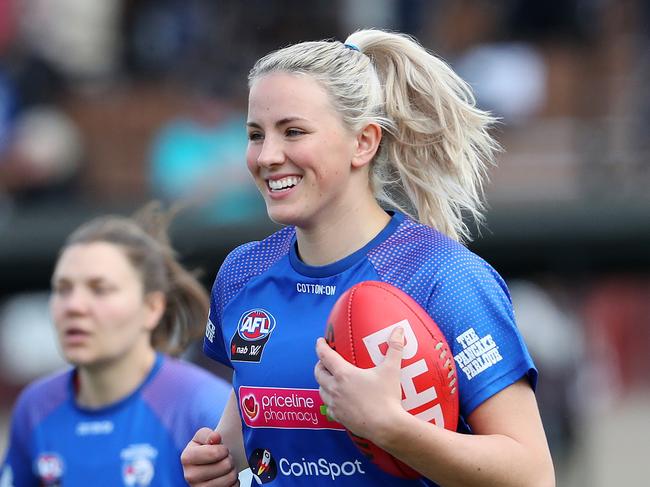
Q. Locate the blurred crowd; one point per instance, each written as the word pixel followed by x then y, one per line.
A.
pixel 104 101
pixel 108 103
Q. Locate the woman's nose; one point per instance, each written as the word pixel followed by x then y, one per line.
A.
pixel 271 153
pixel 75 301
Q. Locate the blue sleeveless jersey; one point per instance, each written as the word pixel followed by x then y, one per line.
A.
pixel 268 308
pixel 135 442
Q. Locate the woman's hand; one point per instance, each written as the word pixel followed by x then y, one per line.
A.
pixel 362 400
pixel 207 462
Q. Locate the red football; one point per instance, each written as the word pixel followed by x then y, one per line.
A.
pixel 358 328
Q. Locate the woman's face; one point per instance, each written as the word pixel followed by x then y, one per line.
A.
pixel 98 305
pixel 299 152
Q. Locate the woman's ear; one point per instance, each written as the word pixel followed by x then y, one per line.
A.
pixel 155 303
pixel 367 144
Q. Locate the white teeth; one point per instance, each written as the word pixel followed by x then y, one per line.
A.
pixel 284 183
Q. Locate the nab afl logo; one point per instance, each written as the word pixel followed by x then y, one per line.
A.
pixel 253 332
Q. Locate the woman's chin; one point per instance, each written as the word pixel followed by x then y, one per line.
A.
pixel 281 216
pixel 77 358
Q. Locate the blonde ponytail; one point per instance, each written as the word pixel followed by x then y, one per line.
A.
pixel 438 145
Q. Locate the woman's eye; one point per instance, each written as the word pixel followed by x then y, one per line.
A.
pixel 60 289
pixel 101 290
pixel 294 132
pixel 255 136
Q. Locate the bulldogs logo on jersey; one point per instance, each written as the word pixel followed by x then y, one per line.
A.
pixel 138 464
pixel 253 331
pixel 50 469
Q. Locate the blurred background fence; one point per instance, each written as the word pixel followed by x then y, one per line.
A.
pixel 105 105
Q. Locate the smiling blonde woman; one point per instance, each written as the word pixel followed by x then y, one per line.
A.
pixel 371 153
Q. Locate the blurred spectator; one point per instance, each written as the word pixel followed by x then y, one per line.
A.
pixel 642 103
pixel 556 344
pixel 7 108
pixel 572 21
pixel 196 157
pixel 41 156
pixel 7 23
pixel 409 16
pixel 78 37
pixel 28 347
pixel 617 317
pixel 509 79
pixel 159 34
pixel 189 40
pixel 199 159
pixel 412 16
pixel 40 145
pixel 356 14
pixel 7 88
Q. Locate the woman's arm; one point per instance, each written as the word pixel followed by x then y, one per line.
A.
pixel 231 433
pixel 215 457
pixel 18 461
pixel 508 448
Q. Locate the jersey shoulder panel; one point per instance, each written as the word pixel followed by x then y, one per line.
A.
pixel 242 265
pixel 185 397
pixel 248 261
pixel 35 404
pixel 416 256
pixel 40 398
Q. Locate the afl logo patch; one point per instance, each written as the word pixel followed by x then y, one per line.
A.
pixel 253 332
pixel 255 324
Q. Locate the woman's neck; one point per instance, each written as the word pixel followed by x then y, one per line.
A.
pixel 334 240
pixel 106 383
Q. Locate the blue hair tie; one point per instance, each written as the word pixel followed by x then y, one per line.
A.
pixel 352 46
